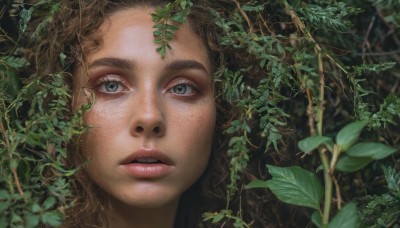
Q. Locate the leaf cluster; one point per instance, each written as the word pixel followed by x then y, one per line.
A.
pixel 167 20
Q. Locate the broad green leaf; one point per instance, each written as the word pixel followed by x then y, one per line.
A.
pixel 310 143
pixel 35 207
pixel 373 150
pixel 316 219
pixel 218 218
pixel 296 186
pixel 3 222
pixel 4 194
pixel 49 203
pixel 351 164
pixel 349 134
pixel 53 218
pixel 257 184
pixel 346 218
pixel 32 221
pixel 3 206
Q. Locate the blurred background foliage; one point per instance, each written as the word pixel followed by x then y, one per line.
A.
pixel 274 55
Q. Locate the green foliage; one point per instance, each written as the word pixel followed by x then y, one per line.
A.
pixel 167 20
pixel 383 210
pixel 347 217
pixel 36 128
pixel 294 72
pixel 372 150
pixel 325 15
pixel 225 215
pixel 293 185
pixel 348 135
pixel 311 143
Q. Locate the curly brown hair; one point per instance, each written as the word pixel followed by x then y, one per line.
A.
pixel 73 32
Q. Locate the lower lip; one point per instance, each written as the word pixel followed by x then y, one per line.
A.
pixel 140 170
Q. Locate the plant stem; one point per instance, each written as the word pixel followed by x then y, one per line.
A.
pixel 321 91
pixel 328 188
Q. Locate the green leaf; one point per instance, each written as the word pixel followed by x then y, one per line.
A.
pixel 351 164
pixel 32 221
pixel 3 206
pixel 257 184
pixel 310 143
pixel 3 222
pixel 393 180
pixel 316 219
pixel 349 134
pixel 53 218
pixel 373 150
pixel 49 203
pixel 346 218
pixel 218 218
pixel 296 186
pixel 25 17
pixel 4 194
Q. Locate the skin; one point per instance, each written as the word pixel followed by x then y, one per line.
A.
pixel 144 101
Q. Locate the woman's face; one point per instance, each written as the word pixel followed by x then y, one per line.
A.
pixel 153 119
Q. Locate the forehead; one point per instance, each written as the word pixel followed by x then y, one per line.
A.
pixel 132 29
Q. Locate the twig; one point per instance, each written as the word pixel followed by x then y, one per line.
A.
pixel 366 43
pixel 17 182
pixel 379 53
pixel 3 130
pixel 244 15
pixel 321 91
pixel 310 113
pixel 13 170
pixel 338 194
pixel 300 26
pixel 266 25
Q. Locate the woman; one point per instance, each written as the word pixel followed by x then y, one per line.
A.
pixel 152 121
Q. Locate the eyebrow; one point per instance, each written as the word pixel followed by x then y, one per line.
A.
pixel 186 64
pixel 113 62
pixel 175 65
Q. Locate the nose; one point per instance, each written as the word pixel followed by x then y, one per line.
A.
pixel 148 117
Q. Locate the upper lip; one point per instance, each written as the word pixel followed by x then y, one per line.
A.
pixel 143 152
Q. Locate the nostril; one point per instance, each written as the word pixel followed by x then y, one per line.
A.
pixel 156 130
pixel 139 129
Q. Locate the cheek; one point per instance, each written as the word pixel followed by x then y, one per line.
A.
pixel 103 122
pixel 196 131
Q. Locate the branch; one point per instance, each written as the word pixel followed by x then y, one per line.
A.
pixel 244 15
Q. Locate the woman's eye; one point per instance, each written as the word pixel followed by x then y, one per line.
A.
pixel 110 87
pixel 183 89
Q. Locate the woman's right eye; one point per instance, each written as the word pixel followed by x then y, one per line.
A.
pixel 110 85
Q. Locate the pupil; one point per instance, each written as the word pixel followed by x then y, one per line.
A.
pixel 180 89
pixel 111 86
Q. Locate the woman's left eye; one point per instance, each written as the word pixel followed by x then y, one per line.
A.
pixel 183 89
pixel 110 86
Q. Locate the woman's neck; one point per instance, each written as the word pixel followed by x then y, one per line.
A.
pixel 127 216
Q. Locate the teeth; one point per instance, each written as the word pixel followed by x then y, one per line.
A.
pixel 147 160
